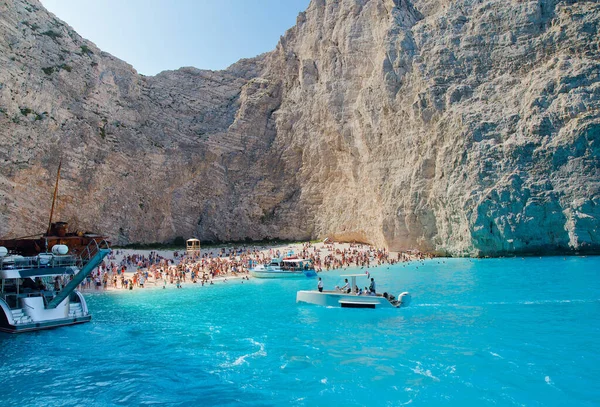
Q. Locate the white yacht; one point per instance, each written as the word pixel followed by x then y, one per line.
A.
pixel 352 299
pixel 285 268
pixel 32 295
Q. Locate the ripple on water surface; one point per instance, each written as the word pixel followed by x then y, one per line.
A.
pixel 479 332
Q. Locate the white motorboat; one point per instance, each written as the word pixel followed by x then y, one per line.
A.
pixel 352 299
pixel 285 268
pixel 29 300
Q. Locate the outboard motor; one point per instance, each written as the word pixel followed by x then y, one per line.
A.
pixel 404 299
pixel 3 251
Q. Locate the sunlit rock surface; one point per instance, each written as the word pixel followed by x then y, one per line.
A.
pixel 461 127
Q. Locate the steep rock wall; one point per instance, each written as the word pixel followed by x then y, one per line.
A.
pixel 463 127
pixel 472 129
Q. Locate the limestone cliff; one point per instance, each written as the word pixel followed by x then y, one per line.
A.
pixel 466 127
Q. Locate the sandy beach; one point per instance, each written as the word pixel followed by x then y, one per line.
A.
pixel 154 265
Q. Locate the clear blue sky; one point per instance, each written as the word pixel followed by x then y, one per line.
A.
pixel 155 35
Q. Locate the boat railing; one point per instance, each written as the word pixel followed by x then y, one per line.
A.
pixel 11 299
pixel 91 257
pixel 91 250
pixel 26 306
pixel 36 262
pixel 48 260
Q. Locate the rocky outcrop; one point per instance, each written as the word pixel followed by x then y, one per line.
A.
pixel 464 127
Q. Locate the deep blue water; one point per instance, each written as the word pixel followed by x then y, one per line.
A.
pixel 478 332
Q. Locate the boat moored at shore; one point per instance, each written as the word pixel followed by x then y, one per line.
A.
pixel 285 268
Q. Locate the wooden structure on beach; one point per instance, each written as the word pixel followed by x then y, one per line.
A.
pixel 193 247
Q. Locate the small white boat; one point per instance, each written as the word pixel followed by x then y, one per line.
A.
pixel 285 268
pixel 336 298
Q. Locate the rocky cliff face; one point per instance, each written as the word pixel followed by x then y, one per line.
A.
pixel 467 127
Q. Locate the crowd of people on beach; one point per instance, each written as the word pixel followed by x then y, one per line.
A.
pixel 359 255
pixel 123 270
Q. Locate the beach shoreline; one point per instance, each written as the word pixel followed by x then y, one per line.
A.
pixel 158 274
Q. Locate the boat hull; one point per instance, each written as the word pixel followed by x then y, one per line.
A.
pixel 341 300
pixel 37 326
pixel 277 274
pixel 31 315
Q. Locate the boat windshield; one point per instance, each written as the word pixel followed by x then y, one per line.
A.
pixel 297 264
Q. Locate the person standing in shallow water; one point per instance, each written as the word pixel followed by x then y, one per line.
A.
pixel 320 285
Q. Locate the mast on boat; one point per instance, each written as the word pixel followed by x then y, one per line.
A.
pixel 54 199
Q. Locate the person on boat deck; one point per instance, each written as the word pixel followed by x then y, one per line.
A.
pixel 372 287
pixel 57 283
pixel 40 284
pixel 346 287
pixel 320 285
pixel 29 283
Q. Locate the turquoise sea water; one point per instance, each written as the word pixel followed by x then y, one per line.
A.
pixel 479 332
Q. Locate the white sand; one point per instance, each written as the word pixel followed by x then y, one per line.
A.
pixel 296 248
